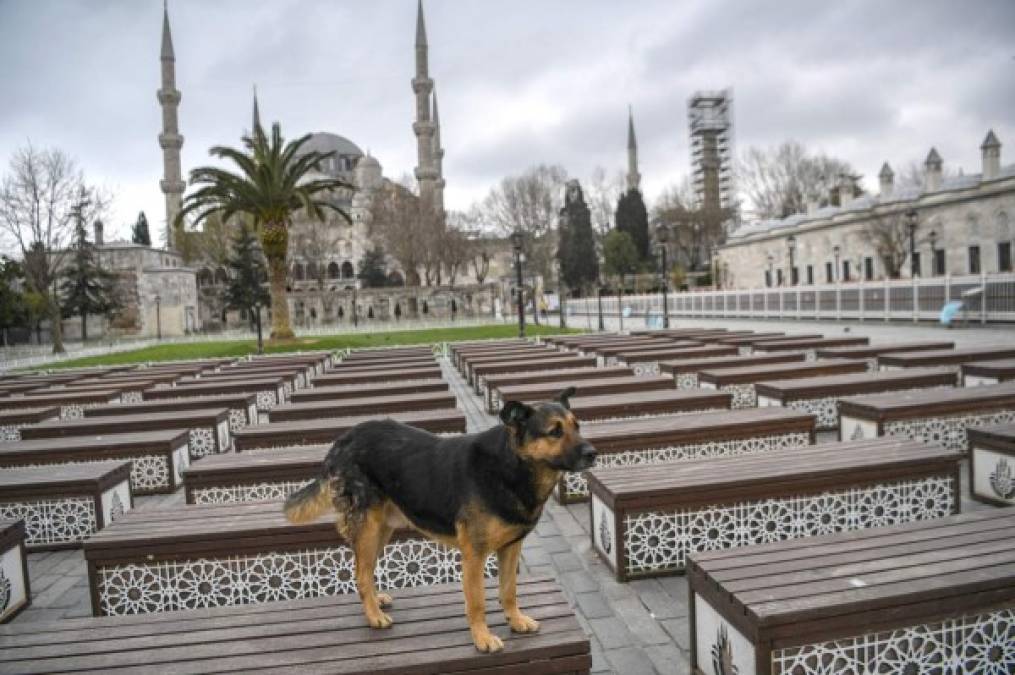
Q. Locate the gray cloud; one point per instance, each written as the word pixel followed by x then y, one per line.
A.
pixel 519 83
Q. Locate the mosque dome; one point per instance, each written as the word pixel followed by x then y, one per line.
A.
pixel 346 153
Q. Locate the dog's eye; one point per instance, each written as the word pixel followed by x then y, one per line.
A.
pixel 557 431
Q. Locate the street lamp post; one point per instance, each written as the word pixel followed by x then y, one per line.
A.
pixel 933 252
pixel 663 236
pixel 715 268
pixel 516 242
pixel 158 316
pixel 771 270
pixel 911 226
pixel 599 302
pixel 560 292
pixel 836 251
pixel 791 242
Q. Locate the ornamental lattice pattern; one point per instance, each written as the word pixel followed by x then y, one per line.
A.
pixel 53 521
pixel 983 644
pixel 948 430
pixel 10 433
pixel 202 442
pixel 131 397
pixel 645 369
pixel 73 411
pixel 265 400
pixel 237 419
pixel 147 472
pixel 661 540
pixel 744 395
pixel 825 409
pixel 577 487
pixel 234 580
pixel 254 492
pixel 686 380
pixel 5 592
pixel 675 413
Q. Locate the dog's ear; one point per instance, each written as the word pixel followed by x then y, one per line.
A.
pixel 565 396
pixel 515 413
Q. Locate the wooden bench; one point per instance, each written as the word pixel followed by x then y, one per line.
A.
pixel 11 421
pixel 64 505
pixel 987 372
pixel 15 588
pixel 71 404
pixel 992 464
pixel 130 391
pixel 157 457
pixel 242 407
pixel 808 346
pixel 403 362
pixel 290 379
pixel 952 358
pixel 658 403
pixel 269 392
pixel 373 405
pixel 740 381
pixel 930 596
pixel 470 362
pixel 313 432
pixel 208 429
pixel 609 352
pixel 326 634
pixel 685 371
pixel 214 555
pixel 662 440
pixel 572 375
pixel 647 362
pixel 367 390
pixel 745 343
pixel 645 522
pixel 820 395
pixel 932 415
pixel 159 379
pixel 253 476
pixel 544 391
pixel 480 371
pixel 332 379
pixel 870 353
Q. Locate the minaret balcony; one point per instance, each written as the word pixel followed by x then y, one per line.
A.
pixel 423 128
pixel 172 186
pixel 171 141
pixel 422 85
pixel 169 96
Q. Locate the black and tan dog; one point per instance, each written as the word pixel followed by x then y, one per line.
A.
pixel 480 493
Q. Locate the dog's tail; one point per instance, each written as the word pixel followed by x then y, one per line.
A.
pixel 310 501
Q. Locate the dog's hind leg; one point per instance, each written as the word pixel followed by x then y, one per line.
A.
pixel 384 599
pixel 366 547
pixel 507 573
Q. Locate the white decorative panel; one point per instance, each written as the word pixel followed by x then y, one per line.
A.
pixel 253 492
pixel 721 648
pixel 252 414
pixel 646 369
pixel 603 534
pixel 53 521
pixel 10 433
pixel 12 582
pixel 238 418
pixel 824 408
pixel 202 442
pixel 855 429
pixel 769 402
pixel 705 385
pixel 225 443
pixel 687 380
pixel 181 460
pixel 744 395
pixel 994 475
pixel 115 502
pixel 948 430
pixel 978 380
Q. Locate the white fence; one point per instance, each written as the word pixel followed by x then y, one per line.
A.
pixel 986 298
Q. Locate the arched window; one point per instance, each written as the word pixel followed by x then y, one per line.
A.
pixel 347 270
pixel 398 311
pixel 311 270
pixel 204 277
pixel 221 277
pixel 395 279
pixel 370 312
pixel 333 270
pixel 426 308
pixel 298 272
pixel 341 312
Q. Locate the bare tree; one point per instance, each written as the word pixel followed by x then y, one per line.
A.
pixel 313 240
pixel 694 230
pixel 888 235
pixel 601 194
pixel 779 181
pixel 528 203
pixel 41 198
pixel 402 224
pixel 455 252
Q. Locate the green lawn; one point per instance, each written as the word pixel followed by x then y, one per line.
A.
pixel 200 350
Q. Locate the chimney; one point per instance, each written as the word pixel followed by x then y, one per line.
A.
pixel 98 232
pixel 887 178
pixel 991 151
pixel 932 172
pixel 845 190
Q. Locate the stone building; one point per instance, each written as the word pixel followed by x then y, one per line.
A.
pixel 964 225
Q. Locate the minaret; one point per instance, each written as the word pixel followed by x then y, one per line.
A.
pixel 438 157
pixel 633 177
pixel 170 139
pixel 423 127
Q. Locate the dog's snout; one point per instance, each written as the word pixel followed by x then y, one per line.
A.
pixel 588 451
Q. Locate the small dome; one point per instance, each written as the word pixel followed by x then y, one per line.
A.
pixel 368 162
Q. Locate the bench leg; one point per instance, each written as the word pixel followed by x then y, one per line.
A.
pixel 507 566
pixel 475 597
pixel 369 541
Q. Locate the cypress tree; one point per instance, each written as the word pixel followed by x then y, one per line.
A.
pixel 576 249
pixel 245 290
pixel 141 235
pixel 632 218
pixel 87 288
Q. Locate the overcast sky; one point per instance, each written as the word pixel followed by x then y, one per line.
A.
pixel 519 82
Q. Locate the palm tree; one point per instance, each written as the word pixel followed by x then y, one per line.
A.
pixel 271 185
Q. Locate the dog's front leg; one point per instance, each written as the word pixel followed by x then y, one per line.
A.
pixel 507 572
pixel 475 600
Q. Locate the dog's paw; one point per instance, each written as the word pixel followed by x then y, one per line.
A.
pixel 523 624
pixel 384 600
pixel 380 620
pixel 487 642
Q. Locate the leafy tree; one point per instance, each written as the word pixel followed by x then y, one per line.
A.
pixel 579 264
pixel 13 305
pixel 620 258
pixel 272 184
pixel 632 218
pixel 87 287
pixel 245 290
pixel 372 268
pixel 140 233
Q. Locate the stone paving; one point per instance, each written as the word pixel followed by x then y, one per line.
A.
pixel 636 627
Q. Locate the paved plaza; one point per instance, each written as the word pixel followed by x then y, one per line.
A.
pixel 636 627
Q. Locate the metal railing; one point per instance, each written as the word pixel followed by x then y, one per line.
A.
pixel 986 299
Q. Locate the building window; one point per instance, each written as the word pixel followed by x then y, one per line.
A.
pixel 794 276
pixel 868 268
pixel 829 273
pixel 916 264
pixel 845 270
pixel 939 262
pixel 778 277
pixel 974 259
pixel 810 275
pixel 1004 256
pixel 768 278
